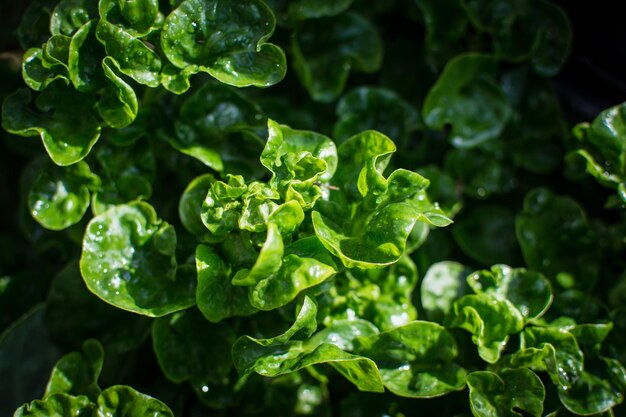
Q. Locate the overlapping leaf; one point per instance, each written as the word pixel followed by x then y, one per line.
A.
pixel 468 78
pixel 129 261
pixel 68 136
pixel 490 319
pixel 416 360
pixel 59 196
pixel 506 393
pixel 226 40
pixel 370 220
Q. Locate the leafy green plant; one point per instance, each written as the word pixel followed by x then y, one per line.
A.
pixel 288 207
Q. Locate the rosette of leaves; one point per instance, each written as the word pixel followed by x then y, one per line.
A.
pixel 266 259
pixel 273 243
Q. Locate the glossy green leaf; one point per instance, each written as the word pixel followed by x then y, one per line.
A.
pixel 529 291
pixel 379 245
pixel 416 360
pixel 304 326
pixel 486 233
pixel 268 261
pixel 261 68
pixel 35 73
pixel 443 283
pixel 77 373
pixel 368 149
pixel 305 263
pixel 69 15
pixel 547 216
pixel 55 52
pixel 137 18
pixel 598 389
pixel 375 108
pixel 298 160
pixel 216 297
pixel 85 57
pixel 118 104
pixel 607 134
pixel 226 40
pixel 259 203
pixel 490 320
pixel 277 280
pixel 382 296
pixel 67 135
pixel 530 29
pixel 134 58
pixel 59 196
pixel 506 393
pixel 124 401
pixel 380 238
pixel 368 223
pixel 553 350
pixel 276 356
pixel 326 49
pixel 394 306
pixel 298 271
pixel 605 138
pixel 175 80
pixel 190 204
pixel 221 208
pixel 468 97
pixel 128 260
pixel 190 348
pixel 57 405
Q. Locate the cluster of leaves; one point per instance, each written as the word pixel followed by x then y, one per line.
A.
pixel 231 260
